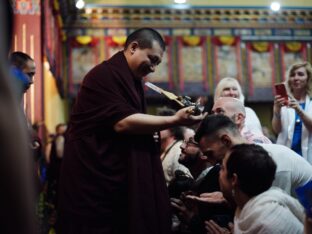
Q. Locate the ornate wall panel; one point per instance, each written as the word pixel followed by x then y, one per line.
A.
pixel 250 44
pixel 163 73
pixel 227 57
pixel 27 38
pixel 261 70
pixel 192 67
pixel 292 52
pixel 84 55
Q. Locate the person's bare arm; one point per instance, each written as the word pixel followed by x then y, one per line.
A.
pixel 276 120
pixel 144 123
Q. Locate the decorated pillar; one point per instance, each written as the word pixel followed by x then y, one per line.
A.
pixel 27 39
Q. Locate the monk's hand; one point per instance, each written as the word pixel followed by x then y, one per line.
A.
pixel 190 204
pixel 183 212
pixel 213 228
pixel 185 116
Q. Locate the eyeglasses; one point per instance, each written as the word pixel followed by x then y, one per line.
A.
pixel 191 141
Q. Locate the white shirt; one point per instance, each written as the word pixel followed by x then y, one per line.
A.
pixel 252 121
pixel 292 170
pixel 288 124
pixel 170 161
pixel 271 212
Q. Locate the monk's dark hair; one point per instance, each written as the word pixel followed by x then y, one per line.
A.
pixel 211 124
pixel 253 166
pixel 19 59
pixel 145 38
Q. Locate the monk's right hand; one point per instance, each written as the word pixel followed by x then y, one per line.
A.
pixel 186 116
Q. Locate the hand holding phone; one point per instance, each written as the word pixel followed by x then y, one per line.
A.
pixel 280 89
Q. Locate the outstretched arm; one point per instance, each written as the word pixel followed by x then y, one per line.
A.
pixel 144 123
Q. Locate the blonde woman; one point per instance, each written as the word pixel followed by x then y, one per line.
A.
pixel 229 87
pixel 292 120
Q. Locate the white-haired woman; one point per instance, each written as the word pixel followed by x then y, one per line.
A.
pixel 229 87
pixel 292 120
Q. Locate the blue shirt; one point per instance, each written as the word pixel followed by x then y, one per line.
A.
pixel 296 141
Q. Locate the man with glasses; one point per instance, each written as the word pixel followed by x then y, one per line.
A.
pixel 206 178
pixel 170 142
pixel 200 168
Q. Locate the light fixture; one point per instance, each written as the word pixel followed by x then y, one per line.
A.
pixel 180 1
pixel 80 4
pixel 275 6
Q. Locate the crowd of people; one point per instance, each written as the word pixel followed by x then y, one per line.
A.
pixel 117 169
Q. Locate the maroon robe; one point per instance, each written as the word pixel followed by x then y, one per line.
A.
pixel 109 180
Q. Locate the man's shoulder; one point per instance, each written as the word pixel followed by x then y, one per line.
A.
pixel 97 73
pixel 282 152
pixel 96 70
pixel 275 148
pixel 255 137
pixel 114 62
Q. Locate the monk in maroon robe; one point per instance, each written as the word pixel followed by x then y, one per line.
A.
pixel 112 179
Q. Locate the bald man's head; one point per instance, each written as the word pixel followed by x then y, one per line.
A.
pixel 231 107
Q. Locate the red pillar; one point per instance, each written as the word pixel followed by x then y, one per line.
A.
pixel 27 38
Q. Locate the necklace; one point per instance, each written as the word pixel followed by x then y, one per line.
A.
pixel 298 119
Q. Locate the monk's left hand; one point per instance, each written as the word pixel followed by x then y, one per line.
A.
pixel 213 228
pixel 184 213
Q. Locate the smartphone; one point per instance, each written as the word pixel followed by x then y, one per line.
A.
pixel 280 89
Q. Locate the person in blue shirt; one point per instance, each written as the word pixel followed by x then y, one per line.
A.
pixel 292 120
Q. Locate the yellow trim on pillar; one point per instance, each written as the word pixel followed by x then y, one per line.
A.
pixel 32 89
pixel 24 38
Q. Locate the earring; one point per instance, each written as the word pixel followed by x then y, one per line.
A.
pixel 233 192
